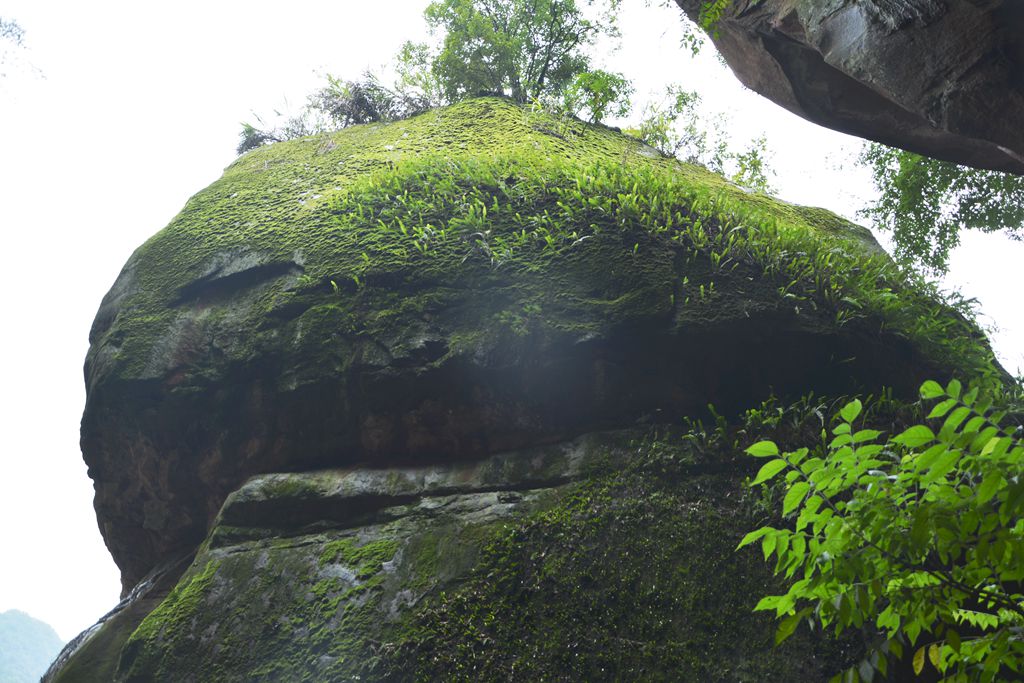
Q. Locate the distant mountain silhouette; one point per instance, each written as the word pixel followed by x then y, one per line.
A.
pixel 27 646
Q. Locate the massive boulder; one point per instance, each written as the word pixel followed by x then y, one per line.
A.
pixel 938 77
pixel 408 401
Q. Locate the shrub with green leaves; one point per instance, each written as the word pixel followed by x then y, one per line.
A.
pixel 598 94
pixel 915 538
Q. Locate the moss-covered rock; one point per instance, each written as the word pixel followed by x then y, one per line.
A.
pixel 612 560
pixel 479 278
pixel 304 381
pixel 313 576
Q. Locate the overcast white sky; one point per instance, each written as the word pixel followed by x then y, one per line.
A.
pixel 138 107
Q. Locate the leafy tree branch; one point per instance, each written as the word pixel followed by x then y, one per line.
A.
pixel 926 203
pixel 917 538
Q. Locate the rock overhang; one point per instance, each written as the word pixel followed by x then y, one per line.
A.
pixel 939 78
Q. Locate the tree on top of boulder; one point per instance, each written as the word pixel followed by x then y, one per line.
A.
pixel 526 49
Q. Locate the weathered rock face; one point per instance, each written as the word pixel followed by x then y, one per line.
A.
pixel 651 565
pixel 937 77
pixel 393 396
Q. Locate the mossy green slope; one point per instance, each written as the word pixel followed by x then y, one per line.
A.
pixel 332 207
pixel 294 203
pixel 312 576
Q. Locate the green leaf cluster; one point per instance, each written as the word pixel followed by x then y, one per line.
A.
pixel 533 51
pixel 917 538
pixel 598 94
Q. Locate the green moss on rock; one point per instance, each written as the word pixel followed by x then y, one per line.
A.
pixel 478 278
pixel 431 201
pixel 632 576
pixel 180 607
pixel 630 573
pixel 286 610
pixel 366 559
